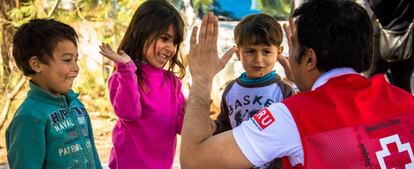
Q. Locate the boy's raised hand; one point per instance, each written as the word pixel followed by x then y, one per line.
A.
pixel 107 51
pixel 203 59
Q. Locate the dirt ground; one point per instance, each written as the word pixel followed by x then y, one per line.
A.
pixel 102 128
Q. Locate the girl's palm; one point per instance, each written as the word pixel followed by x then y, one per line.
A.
pixel 107 51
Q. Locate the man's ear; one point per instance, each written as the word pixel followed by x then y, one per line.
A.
pixel 35 64
pixel 310 59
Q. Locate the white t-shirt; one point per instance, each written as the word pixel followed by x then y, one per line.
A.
pixel 273 132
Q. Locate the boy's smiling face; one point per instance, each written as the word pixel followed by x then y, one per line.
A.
pixel 57 76
pixel 258 60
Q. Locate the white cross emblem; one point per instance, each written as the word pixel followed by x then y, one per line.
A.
pixel 401 148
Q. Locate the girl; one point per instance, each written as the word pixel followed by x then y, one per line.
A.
pixel 146 98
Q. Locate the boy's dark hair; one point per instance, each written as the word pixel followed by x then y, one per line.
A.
pixel 340 33
pixel 258 29
pixel 150 21
pixel 39 38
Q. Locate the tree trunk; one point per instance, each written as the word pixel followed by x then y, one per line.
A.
pixel 7 31
pixel 10 98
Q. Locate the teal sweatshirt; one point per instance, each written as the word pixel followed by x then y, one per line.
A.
pixel 52 132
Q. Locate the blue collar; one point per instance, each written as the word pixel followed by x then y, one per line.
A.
pixel 243 78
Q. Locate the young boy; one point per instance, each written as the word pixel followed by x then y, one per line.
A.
pixel 258 38
pixel 51 128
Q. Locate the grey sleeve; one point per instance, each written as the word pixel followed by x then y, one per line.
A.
pixel 223 121
pixel 287 89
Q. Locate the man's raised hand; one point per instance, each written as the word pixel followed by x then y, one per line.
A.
pixel 203 59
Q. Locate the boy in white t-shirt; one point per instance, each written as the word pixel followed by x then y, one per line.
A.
pixel 258 38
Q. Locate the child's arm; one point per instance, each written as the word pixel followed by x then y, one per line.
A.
pixel 123 85
pixel 222 121
pixel 181 108
pixel 26 144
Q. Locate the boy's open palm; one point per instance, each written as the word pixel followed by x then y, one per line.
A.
pixel 203 59
pixel 107 51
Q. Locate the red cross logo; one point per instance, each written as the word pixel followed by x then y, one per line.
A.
pixel 394 154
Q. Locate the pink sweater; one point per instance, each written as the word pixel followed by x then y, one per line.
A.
pixel 144 136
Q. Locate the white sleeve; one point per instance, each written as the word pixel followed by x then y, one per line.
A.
pixel 270 134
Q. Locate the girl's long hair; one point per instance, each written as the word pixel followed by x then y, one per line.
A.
pixel 150 21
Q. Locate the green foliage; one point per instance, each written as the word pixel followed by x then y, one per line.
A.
pixel 23 14
pixel 93 90
pixel 1 70
pixel 202 6
pixel 65 16
pixel 8 85
pixel 116 14
pixel 1 40
pixel 278 8
pixel 118 19
pixel 88 5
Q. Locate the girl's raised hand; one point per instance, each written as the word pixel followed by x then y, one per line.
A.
pixel 107 51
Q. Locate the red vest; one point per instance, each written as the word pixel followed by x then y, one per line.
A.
pixel 353 122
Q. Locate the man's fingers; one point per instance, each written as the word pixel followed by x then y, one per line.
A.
pixel 292 25
pixel 215 33
pixel 284 62
pixel 286 67
pixel 193 39
pixel 210 28
pixel 202 33
pixel 286 28
pixel 226 57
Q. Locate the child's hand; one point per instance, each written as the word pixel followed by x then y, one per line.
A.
pixel 110 54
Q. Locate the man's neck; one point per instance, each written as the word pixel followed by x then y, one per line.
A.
pixel 323 77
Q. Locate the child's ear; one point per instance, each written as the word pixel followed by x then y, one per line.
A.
pixel 238 54
pixel 35 64
pixel 280 50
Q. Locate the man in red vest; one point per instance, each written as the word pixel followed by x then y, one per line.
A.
pixel 340 120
